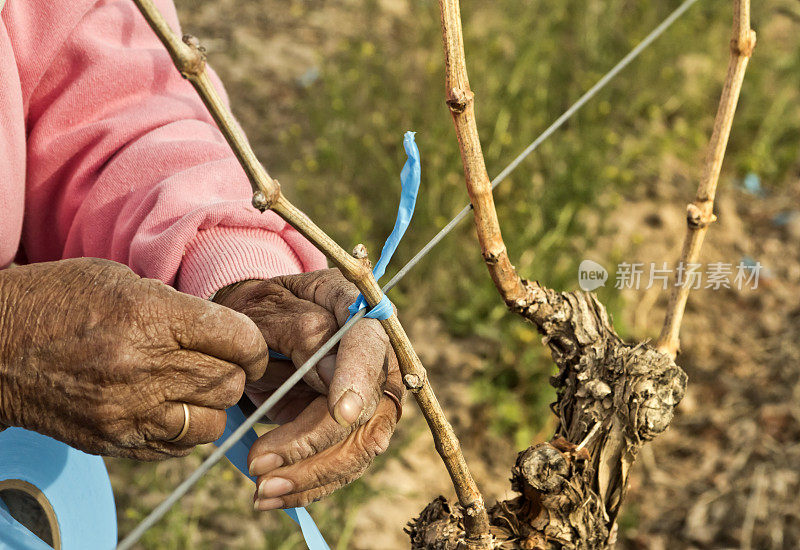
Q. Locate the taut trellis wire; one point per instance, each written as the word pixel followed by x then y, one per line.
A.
pixel 190 61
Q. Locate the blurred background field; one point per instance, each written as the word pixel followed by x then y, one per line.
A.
pixel 325 91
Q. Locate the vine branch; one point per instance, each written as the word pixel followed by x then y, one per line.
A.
pixel 700 212
pixel 461 102
pixel 190 60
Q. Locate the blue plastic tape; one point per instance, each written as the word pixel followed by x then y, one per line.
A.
pixel 237 455
pixel 410 178
pixel 76 485
pixel 278 355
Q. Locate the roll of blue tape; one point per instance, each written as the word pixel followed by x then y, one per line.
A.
pixel 75 484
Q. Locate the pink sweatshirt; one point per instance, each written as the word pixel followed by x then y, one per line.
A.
pixel 105 151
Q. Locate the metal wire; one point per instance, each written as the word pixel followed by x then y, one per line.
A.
pixel 159 511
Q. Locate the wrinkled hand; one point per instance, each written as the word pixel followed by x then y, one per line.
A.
pixel 101 359
pixel 343 413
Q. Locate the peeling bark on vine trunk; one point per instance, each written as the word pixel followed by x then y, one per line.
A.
pixel 612 397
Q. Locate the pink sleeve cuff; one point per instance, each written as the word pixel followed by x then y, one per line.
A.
pixel 221 256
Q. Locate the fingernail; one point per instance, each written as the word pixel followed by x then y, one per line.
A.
pixel 274 487
pixel 264 505
pixel 264 464
pixel 325 369
pixel 348 409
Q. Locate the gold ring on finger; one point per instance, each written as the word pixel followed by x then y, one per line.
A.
pixel 185 428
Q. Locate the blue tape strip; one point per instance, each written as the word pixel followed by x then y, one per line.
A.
pixel 410 178
pixel 237 455
pixel 382 310
pixel 276 355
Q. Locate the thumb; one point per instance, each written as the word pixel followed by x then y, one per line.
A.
pixel 360 373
